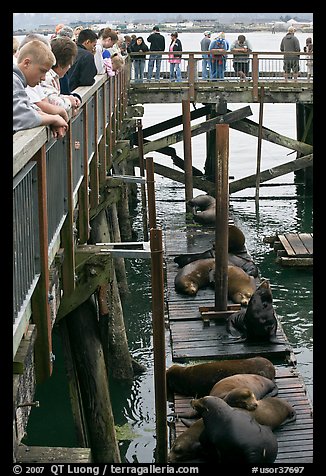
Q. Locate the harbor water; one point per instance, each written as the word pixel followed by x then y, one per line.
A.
pixel 282 208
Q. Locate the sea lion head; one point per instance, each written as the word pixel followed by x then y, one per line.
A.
pixel 241 397
pixel 190 288
pixel 242 298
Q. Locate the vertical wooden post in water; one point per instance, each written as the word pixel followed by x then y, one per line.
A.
pixel 150 192
pixel 159 344
pixel 186 121
pixel 142 174
pixel 260 133
pixel 222 216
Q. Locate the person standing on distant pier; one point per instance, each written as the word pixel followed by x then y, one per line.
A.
pixel 175 58
pixel 218 48
pixel 291 61
pixel 204 46
pixel 241 49
pixel 157 43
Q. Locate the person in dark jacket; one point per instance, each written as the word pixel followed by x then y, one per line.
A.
pixel 291 61
pixel 139 61
pixel 175 58
pixel 83 71
pixel 157 43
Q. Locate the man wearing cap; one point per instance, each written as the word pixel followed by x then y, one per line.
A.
pixel 218 48
pixel 157 43
pixel 204 46
pixel 290 43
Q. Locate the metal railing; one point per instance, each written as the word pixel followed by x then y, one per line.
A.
pixel 263 66
pixel 48 175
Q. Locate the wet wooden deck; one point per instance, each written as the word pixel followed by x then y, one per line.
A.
pixel 295 440
pixel 192 341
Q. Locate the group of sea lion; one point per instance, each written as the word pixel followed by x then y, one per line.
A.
pixel 237 409
pixel 255 323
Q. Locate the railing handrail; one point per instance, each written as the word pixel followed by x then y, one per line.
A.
pixel 229 52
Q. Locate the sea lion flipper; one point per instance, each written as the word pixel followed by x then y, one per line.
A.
pixel 234 340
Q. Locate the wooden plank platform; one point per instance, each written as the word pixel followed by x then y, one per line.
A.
pixel 293 249
pixel 192 341
pixel 45 454
pixel 295 440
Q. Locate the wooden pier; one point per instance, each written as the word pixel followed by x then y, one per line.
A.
pixel 192 341
pixel 293 249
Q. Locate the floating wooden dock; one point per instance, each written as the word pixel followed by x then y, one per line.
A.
pixel 192 341
pixel 293 249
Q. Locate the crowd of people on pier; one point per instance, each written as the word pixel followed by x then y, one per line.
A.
pixel 46 73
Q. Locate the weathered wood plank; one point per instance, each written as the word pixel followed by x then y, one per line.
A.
pixel 295 261
pixel 307 240
pixel 45 454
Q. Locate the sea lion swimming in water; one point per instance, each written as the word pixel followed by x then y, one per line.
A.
pixel 234 435
pixel 256 323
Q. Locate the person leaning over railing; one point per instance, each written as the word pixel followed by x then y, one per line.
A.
pixel 241 49
pixel 35 59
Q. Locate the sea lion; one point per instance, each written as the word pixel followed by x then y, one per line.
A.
pixel 187 445
pixel 271 411
pixel 203 209
pixel 257 384
pixel 257 323
pixel 194 276
pixel 242 262
pixel 201 273
pixel 241 286
pixel 199 379
pixel 234 434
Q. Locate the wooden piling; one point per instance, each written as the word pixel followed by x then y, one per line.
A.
pixel 259 144
pixel 89 357
pixel 150 192
pixel 119 262
pixel 159 344
pixel 186 120
pixel 142 174
pixel 222 216
pixel 113 332
pixel 123 207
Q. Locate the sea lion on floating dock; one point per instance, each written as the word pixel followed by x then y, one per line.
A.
pixel 259 385
pixel 201 273
pixel 257 323
pixel 235 436
pixel 187 446
pixel 199 379
pixel 271 411
pixel 194 276
pixel 242 262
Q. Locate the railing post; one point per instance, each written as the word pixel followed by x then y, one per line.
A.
pixel 191 76
pixel 94 172
pixel 255 76
pixel 40 299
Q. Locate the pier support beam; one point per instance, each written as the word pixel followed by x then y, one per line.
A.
pixel 89 357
